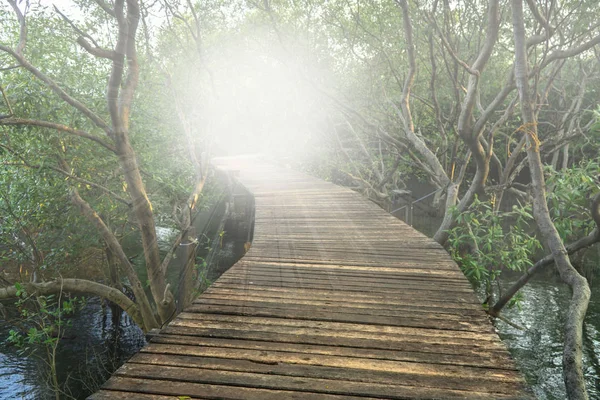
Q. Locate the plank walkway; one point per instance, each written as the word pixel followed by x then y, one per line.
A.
pixel 336 299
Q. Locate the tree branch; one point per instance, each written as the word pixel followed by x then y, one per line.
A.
pixel 405 113
pixel 23 26
pixel 131 81
pixel 586 241
pixel 7 102
pixel 58 127
pixel 106 7
pixel 541 19
pixel 79 286
pixel 573 51
pixel 99 122
pixel 26 164
pixel 95 50
pixel 448 47
pixel 112 242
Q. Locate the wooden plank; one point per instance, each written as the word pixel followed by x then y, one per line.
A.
pixel 322 386
pixel 383 309
pixel 118 395
pixel 256 274
pixel 337 327
pixel 392 298
pixel 176 388
pixel 471 349
pixel 498 360
pixel 414 369
pixel 314 314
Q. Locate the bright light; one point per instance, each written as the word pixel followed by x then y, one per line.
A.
pixel 262 105
pixel 256 102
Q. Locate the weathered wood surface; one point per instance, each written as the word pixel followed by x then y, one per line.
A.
pixel 336 299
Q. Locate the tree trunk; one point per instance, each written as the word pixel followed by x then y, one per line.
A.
pixel 554 162
pixel 187 277
pixel 443 232
pixel 142 210
pixel 113 271
pixel 149 319
pixel 572 355
pixel 120 93
pixel 565 160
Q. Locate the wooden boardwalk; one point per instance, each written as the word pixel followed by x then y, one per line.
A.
pixel 336 299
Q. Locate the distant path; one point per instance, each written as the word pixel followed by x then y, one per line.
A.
pixel 336 299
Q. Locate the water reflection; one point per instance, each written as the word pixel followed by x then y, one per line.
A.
pixel 538 349
pixel 15 382
pixel 90 351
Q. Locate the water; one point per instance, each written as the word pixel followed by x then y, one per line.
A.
pixel 92 348
pixel 15 381
pixel 538 349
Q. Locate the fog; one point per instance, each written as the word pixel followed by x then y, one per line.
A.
pixel 262 105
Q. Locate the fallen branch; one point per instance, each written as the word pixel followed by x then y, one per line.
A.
pixel 79 286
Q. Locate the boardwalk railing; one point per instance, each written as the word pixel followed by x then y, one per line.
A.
pixel 336 299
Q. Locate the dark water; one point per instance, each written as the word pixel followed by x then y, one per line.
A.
pixel 92 348
pixel 538 349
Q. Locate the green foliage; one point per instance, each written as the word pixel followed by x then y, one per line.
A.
pixel 569 194
pixel 485 242
pixel 44 320
pixel 42 325
pixel 38 229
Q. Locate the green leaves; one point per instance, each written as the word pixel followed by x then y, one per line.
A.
pixel 19 288
pixel 44 319
pixel 569 194
pixel 485 243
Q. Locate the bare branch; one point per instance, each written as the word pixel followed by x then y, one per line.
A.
pixel 571 52
pixel 99 122
pixel 180 17
pixel 10 110
pixel 23 26
pixel 541 19
pixel 95 50
pixel 106 7
pixel 79 286
pixel 75 28
pixel 3 69
pixel 448 47
pixel 58 127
